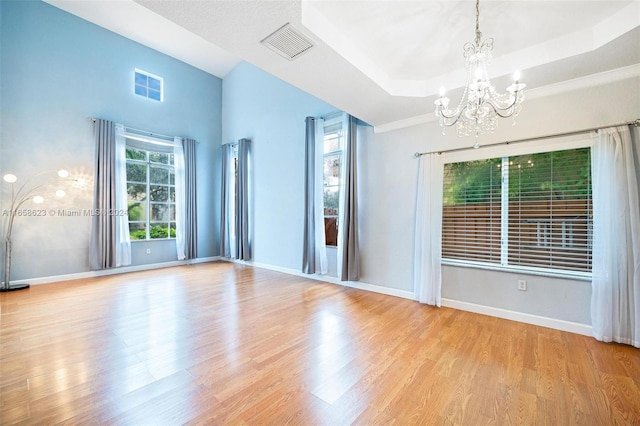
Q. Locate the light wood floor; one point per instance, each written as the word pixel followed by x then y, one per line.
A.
pixel 226 344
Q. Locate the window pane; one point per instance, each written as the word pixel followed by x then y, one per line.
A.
pixel 471 224
pixel 172 194
pixel 332 164
pixel 550 210
pixel 331 198
pixel 331 231
pixel 141 79
pixel 137 231
pixel 154 94
pixel 332 143
pixel 137 211
pixel 136 154
pixel 159 212
pixel 141 90
pixel 154 83
pixel 159 175
pixel 172 178
pixel 159 157
pixel 136 173
pixel 158 193
pixel 159 230
pixel 136 192
pixel 172 212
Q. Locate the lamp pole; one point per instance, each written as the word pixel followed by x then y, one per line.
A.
pixel 18 198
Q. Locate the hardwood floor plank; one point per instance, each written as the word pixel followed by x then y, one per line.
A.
pixel 220 343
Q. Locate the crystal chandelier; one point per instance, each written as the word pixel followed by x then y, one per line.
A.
pixel 481 105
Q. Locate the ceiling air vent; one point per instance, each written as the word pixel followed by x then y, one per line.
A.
pixel 288 42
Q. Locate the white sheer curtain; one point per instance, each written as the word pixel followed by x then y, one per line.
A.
pixel 428 234
pixel 318 202
pixel 123 240
pixel 178 164
pixel 615 299
pixel 228 203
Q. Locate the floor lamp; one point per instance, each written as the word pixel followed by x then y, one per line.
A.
pixel 18 198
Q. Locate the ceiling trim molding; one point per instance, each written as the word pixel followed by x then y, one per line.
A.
pixel 599 79
pixel 562 47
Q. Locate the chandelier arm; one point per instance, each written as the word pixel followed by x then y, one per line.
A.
pixel 456 116
pixel 497 109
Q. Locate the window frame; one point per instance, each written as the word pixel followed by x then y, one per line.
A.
pixel 505 150
pixel 148 163
pixel 333 126
pixel 147 87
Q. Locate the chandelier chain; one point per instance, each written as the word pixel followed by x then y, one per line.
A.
pixel 478 33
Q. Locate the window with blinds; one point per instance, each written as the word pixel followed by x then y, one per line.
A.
pixel 531 211
pixel 471 217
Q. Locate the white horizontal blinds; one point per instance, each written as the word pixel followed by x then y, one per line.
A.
pixel 550 210
pixel 471 211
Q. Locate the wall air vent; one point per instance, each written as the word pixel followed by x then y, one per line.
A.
pixel 288 42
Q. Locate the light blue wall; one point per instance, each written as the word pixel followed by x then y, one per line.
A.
pixel 270 112
pixel 57 71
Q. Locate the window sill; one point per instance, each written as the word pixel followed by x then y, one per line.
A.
pixel 554 273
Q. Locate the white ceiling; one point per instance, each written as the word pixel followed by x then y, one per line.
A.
pixel 384 61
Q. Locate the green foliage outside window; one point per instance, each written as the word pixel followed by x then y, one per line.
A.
pixel 563 175
pixel 331 202
pixel 155 232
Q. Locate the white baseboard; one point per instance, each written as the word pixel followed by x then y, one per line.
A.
pixel 553 323
pixel 556 324
pixel 333 280
pixel 113 271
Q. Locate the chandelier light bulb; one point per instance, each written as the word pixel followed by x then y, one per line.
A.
pixel 38 199
pixel 63 173
pixel 10 178
pixel 60 193
pixel 478 74
pixel 442 91
pixel 516 76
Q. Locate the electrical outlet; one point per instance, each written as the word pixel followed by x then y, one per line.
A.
pixel 522 285
pixel 148 251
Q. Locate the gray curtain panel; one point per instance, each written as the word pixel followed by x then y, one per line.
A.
pixel 226 221
pixel 191 207
pixel 102 251
pixel 243 210
pixel 309 247
pixel 349 243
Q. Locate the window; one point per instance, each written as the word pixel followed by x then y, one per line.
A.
pixel 151 191
pixel 149 85
pixel 333 154
pixel 527 211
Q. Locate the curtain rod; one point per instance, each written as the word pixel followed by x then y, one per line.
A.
pixel 635 123
pixel 143 132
